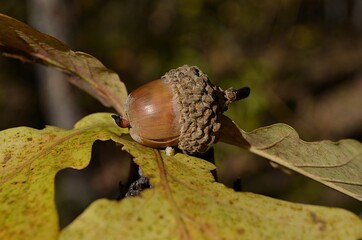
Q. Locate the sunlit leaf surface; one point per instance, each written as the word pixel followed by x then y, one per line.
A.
pixel 29 160
pixel 185 202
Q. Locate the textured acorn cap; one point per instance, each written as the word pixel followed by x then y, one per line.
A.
pixel 201 106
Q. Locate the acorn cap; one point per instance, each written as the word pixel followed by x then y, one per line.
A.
pixel 201 106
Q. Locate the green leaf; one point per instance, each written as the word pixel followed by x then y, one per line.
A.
pixel 29 160
pixel 335 164
pixel 18 40
pixel 185 202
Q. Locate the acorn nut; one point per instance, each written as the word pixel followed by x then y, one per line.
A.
pixel 181 109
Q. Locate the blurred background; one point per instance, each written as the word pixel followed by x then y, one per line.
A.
pixel 301 59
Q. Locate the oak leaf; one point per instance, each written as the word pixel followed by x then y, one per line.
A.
pixel 335 164
pixel 19 40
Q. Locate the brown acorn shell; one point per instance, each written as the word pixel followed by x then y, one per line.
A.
pixel 153 114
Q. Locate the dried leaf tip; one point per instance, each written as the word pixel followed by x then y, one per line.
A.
pixel 120 121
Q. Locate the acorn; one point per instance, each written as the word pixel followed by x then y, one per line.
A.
pixel 182 109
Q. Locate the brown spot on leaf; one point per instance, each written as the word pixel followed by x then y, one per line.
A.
pixel 241 231
pixel 29 139
pixel 316 220
pixel 6 158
